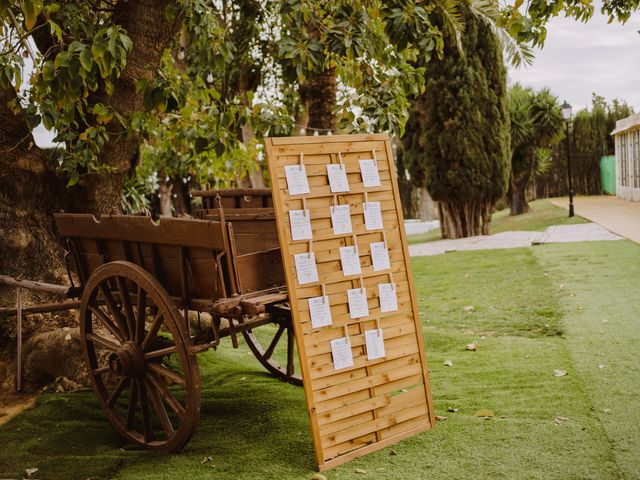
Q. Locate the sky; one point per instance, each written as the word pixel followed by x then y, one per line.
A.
pixel 579 59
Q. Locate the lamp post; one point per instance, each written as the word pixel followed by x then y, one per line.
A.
pixel 566 114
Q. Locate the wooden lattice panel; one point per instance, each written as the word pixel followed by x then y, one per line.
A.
pixel 375 403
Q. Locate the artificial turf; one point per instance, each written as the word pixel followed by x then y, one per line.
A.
pixel 535 310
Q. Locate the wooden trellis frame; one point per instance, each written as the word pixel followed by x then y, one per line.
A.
pixel 376 403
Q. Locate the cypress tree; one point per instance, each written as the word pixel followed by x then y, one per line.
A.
pixel 458 132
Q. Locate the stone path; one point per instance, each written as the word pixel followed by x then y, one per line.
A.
pixel 555 234
pixel 617 215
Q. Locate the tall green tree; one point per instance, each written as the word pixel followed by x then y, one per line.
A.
pixel 536 125
pixel 458 130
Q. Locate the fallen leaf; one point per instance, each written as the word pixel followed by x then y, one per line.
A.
pixel 440 418
pixel 318 476
pixel 452 409
pixel 580 307
pixel 484 412
pixel 205 460
pixel 361 471
pixel 601 366
pixel 448 363
pixel 393 452
pixel 599 354
pixel 562 285
pixel 29 472
pixel 559 373
pixel 558 420
pixel 606 410
pixel 472 346
pixel 469 308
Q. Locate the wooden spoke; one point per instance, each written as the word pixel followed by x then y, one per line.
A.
pixel 109 345
pixel 146 416
pixel 166 373
pixel 141 308
pixel 274 342
pixel 126 306
pixel 113 309
pixel 153 332
pixel 171 400
pixel 131 407
pixel 160 410
pixel 117 391
pixel 153 415
pixel 266 356
pixel 113 329
pixel 160 353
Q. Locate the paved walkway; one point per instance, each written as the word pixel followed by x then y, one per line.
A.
pixel 617 215
pixel 556 234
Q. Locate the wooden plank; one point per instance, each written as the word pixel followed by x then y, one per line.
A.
pixel 362 408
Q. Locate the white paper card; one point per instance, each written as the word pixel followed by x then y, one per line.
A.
pixel 296 179
pixel 350 260
pixel 320 311
pixel 306 269
pixel 372 216
pixel 379 256
pixel 341 352
pixel 388 298
pixel 375 344
pixel 369 172
pixel 337 174
pixel 341 219
pixel 358 307
pixel 300 224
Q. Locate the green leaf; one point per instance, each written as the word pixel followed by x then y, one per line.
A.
pixel 86 59
pixel 75 177
pixel 31 9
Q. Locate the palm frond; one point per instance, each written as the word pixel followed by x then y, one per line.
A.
pixel 517 53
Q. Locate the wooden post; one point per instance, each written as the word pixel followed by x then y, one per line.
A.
pixel 19 340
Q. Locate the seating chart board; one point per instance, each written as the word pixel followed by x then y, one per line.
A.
pixel 362 356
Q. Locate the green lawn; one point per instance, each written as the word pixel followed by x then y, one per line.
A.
pixel 566 307
pixel 543 214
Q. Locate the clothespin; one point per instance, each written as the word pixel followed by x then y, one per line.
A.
pixel 304 204
pixel 378 326
pixel 310 249
pixel 341 161
pixel 361 284
pixel 384 239
pixel 301 160
pixel 393 284
pixel 355 242
pixel 324 293
pixel 366 199
pixel 346 334
pixel 375 160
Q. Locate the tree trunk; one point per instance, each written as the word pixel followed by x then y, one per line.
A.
pixel 151 34
pixel 467 219
pixel 319 98
pixel 517 193
pixel 166 205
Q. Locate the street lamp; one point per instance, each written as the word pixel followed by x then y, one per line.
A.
pixel 566 114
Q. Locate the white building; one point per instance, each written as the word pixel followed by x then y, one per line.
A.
pixel 627 135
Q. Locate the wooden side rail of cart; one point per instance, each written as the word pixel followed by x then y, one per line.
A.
pixel 135 278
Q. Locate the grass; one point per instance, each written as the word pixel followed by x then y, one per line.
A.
pixel 580 426
pixel 543 214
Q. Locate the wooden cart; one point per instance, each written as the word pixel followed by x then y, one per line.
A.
pixel 143 287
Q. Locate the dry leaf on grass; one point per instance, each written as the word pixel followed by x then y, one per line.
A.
pixel 452 409
pixel 469 308
pixel 448 363
pixel 361 471
pixel 440 418
pixel 472 346
pixel 318 476
pixel 559 373
pixel 29 472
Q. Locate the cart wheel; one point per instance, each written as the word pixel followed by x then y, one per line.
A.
pixel 283 337
pixel 136 346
